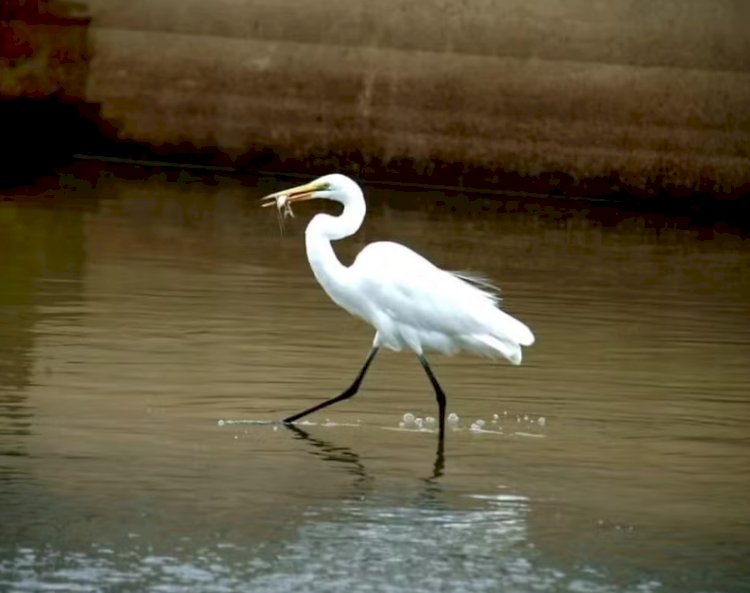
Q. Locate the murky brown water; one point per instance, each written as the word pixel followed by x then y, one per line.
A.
pixel 136 315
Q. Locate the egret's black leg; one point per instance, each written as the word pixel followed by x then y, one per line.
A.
pixel 439 394
pixel 350 391
pixel 439 465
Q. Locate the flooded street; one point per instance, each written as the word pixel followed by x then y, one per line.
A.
pixel 152 328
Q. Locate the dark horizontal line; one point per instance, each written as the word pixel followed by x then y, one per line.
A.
pixel 372 182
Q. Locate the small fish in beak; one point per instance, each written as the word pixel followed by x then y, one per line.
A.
pixel 283 204
pixel 283 207
pixel 283 200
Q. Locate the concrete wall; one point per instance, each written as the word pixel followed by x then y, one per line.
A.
pixel 578 94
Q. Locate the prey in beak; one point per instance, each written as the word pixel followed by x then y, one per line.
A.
pixel 283 200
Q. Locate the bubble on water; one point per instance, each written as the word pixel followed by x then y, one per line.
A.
pixel 408 418
pixel 419 422
pixel 221 423
pixel 495 417
pixel 453 418
pixel 505 412
pixel 401 425
pixel 475 427
pixel 236 437
pixel 542 421
pixel 526 417
pixel 429 421
pixel 275 428
pixel 480 423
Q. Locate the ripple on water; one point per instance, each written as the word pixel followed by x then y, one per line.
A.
pixel 353 547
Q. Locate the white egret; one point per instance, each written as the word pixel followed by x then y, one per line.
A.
pixel 411 303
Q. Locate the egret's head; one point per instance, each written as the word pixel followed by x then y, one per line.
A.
pixel 335 187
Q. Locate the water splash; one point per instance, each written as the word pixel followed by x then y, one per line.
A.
pixel 410 421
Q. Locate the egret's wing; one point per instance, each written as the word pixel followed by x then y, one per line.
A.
pixel 409 289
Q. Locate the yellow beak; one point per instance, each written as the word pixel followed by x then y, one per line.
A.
pixel 295 194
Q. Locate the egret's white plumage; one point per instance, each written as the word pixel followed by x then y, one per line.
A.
pixel 411 303
pixel 416 305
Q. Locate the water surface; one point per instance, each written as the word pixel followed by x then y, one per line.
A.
pixel 153 324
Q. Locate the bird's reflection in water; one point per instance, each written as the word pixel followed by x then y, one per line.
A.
pixel 432 495
pixel 327 451
pixel 338 454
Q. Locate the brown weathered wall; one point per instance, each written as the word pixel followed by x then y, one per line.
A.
pixel 633 92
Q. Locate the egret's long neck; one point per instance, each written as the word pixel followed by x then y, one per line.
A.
pixel 323 228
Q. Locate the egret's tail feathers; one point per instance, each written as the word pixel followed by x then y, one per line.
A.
pixel 481 282
pixel 524 335
pixel 509 350
pixel 508 328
